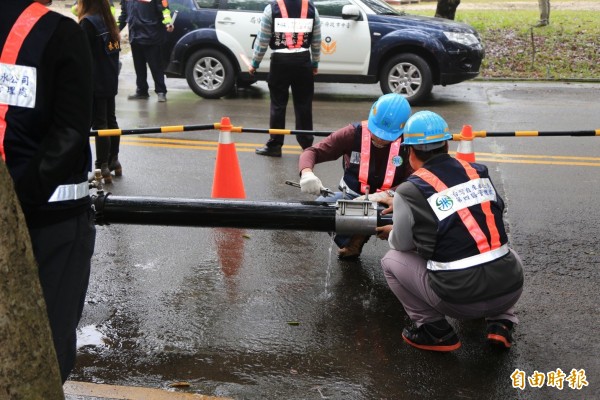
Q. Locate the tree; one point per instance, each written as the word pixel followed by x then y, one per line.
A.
pixel 446 8
pixel 28 365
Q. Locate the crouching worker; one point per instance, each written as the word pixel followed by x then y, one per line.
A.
pixel 372 160
pixel 450 254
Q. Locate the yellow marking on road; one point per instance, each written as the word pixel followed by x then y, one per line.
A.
pixel 73 388
pixel 195 144
pixel 538 159
pixel 538 156
pixel 570 163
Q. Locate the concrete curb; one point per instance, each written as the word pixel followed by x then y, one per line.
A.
pixel 90 391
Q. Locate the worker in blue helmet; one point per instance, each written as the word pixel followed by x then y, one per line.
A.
pixel 373 161
pixel 449 252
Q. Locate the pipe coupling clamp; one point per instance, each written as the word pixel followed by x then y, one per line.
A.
pixel 356 217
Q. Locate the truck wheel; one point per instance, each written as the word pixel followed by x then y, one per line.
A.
pixel 209 74
pixel 408 75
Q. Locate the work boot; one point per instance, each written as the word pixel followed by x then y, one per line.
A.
pixel 271 151
pixel 162 97
pixel 437 336
pixel 106 176
pixel 499 333
pixel 115 165
pixel 541 23
pixel 353 248
pixel 138 96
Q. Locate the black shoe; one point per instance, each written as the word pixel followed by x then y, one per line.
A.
pixel 499 333
pixel 106 176
pixel 423 338
pixel 115 165
pixel 271 151
pixel 138 96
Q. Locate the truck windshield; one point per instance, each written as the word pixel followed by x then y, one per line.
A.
pixel 380 7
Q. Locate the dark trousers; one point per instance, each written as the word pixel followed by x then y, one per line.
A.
pixel 291 71
pixel 63 252
pixel 103 117
pixel 150 55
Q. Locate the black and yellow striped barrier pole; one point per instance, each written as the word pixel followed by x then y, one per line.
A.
pixel 159 129
pixel 240 129
pixel 484 134
pixel 188 128
pixel 280 131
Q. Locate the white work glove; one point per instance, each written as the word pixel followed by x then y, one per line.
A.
pixel 309 183
pixel 377 196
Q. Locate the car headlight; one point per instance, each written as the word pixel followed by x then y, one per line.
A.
pixel 468 39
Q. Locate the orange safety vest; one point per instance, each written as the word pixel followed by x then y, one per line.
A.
pixel 26 21
pixel 465 215
pixel 365 156
pixel 288 35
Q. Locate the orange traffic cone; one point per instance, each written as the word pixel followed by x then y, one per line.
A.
pixel 227 182
pixel 465 149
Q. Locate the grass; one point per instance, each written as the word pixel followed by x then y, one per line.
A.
pixel 567 49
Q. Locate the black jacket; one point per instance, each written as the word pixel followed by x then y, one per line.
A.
pixel 105 54
pixel 48 145
pixel 144 19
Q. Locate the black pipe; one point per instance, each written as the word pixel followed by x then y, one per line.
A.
pixel 305 216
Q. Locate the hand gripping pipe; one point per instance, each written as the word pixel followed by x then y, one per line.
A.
pixel 343 217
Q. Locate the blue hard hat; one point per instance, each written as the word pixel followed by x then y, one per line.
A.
pixel 388 116
pixel 426 130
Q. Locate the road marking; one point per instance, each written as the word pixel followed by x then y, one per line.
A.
pixel 192 144
pixel 195 144
pixel 539 159
pixel 73 388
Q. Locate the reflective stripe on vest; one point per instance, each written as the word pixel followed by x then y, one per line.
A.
pixel 468 262
pixel 288 35
pixel 74 191
pixel 20 30
pixel 465 214
pixel 487 208
pixel 365 157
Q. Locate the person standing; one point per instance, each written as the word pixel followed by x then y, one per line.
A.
pixel 148 22
pixel 372 157
pixel 97 20
pixel 544 13
pixel 45 119
pixel 449 249
pixel 292 29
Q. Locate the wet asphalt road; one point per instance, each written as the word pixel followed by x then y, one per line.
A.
pixel 252 314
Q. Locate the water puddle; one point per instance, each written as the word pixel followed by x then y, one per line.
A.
pixel 90 335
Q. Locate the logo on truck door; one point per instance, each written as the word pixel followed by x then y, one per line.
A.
pixel 328 46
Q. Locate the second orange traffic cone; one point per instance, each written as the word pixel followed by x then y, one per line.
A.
pixel 465 149
pixel 227 182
